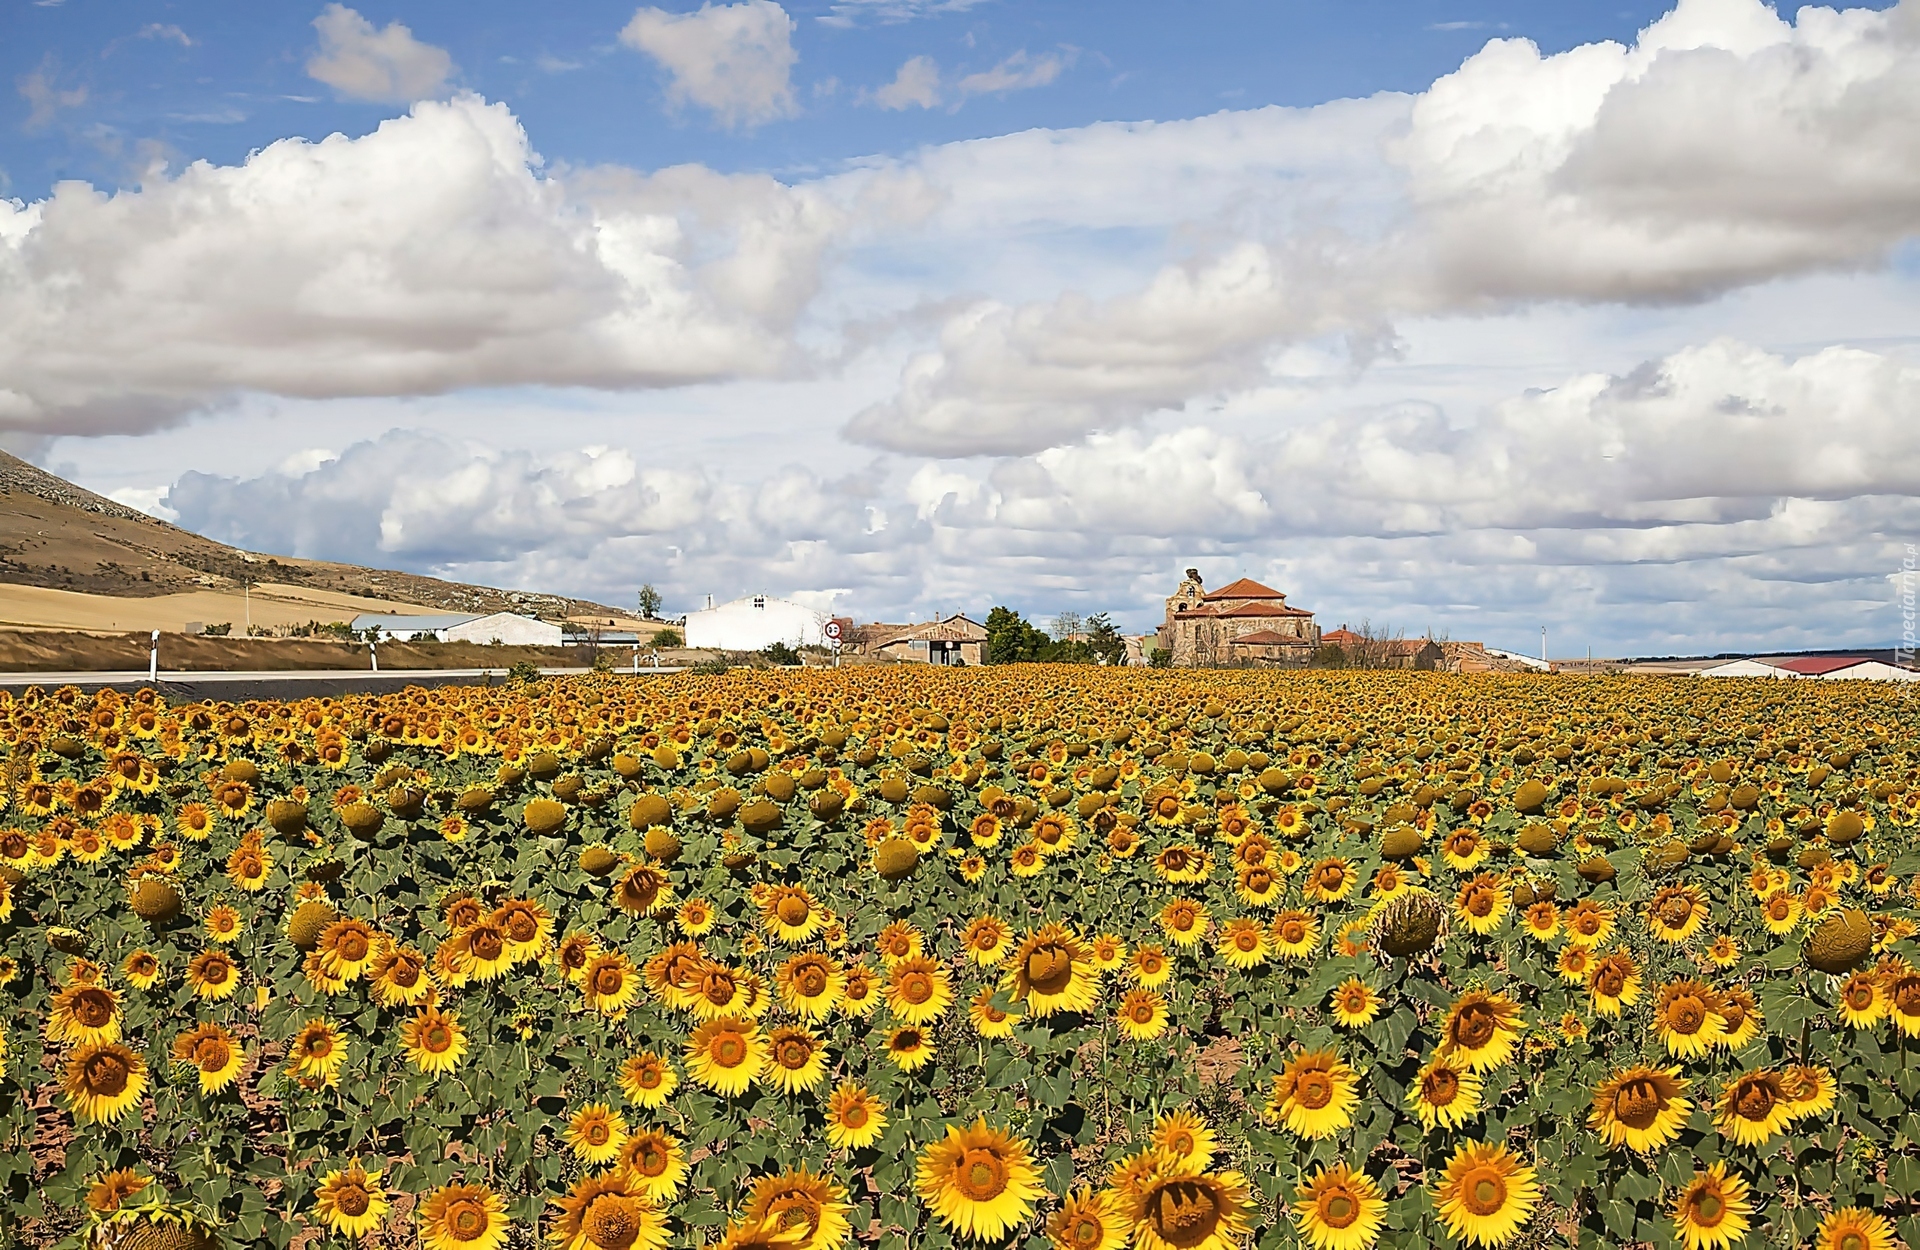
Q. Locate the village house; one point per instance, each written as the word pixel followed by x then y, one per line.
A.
pixel 954 640
pixel 1242 623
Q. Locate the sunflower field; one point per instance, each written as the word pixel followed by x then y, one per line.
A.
pixel 1008 957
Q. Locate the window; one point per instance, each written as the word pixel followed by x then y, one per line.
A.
pixel 760 602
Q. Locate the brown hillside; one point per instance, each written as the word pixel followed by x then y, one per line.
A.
pixel 59 536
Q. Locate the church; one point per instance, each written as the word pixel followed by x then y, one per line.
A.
pixel 1242 623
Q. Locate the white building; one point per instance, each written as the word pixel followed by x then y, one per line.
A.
pixel 1746 668
pixel 502 627
pixel 755 622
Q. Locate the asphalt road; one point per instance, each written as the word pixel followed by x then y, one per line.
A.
pixel 292 684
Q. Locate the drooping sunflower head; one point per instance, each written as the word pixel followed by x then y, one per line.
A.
pixel 802 1205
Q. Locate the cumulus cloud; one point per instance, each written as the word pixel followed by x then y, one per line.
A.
pixel 916 85
pixel 385 66
pixel 340 268
pixel 735 60
pixel 1725 147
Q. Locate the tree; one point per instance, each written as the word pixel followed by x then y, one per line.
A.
pixel 1104 639
pixel 1011 639
pixel 650 602
pixel 666 638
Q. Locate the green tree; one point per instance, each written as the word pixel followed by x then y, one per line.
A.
pixel 1104 640
pixel 650 602
pixel 1011 639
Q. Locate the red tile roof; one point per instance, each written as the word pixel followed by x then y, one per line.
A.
pixel 1245 588
pixel 1340 637
pixel 1819 665
pixel 1266 638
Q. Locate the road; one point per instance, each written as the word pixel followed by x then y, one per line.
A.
pixel 291 684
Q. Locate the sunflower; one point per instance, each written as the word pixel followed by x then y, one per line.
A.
pixel 1149 967
pixel 1052 971
pixel 1330 880
pixel 463 1217
pixel 1686 1014
pixel 433 1040
pixel 399 978
pixel 1314 1094
pixel 1482 903
pixel 1355 1004
pixel 1257 885
pixel 1780 911
pixel 1107 951
pixel 855 1118
pixel 1862 1000
pixel 103 1081
pixel 1142 1015
pixel 1810 1089
pixel 1739 1016
pixel 988 1020
pixel 316 1054
pixel 1574 963
pixel 350 1201
pixel 1444 1095
pixel 1294 934
pixel 1088 1221
pixel 1184 921
pixel 796 1060
pixel 986 940
pixel 858 998
pixel 898 941
pixel 142 969
pixel 643 890
pixel 595 1134
pixel 528 928
pixel 1903 994
pixel 1481 1029
pixel 726 1054
pixel 1027 860
pixel 1640 1108
pixel 1179 1210
pixel 910 1046
pixel 1541 920
pixel 1588 923
pixel 608 1212
pixel 249 866
pixel 1242 943
pixel 113 1189
pixel 609 984
pixel 213 975
pixel 1613 982
pixel 347 947
pixel 1723 951
pixel 918 990
pixel 1676 913
pixel 980 1181
pixel 972 869
pixel 653 1164
pixel 1486 1194
pixel 84 1012
pixel 212 1053
pixel 1852 1228
pixel 1711 1212
pixel 478 951
pixel 810 984
pixel 1182 865
pixel 224 924
pixel 1339 1209
pixel 695 918
pixel 1464 850
pixel 1186 1137
pixel 575 951
pixel 791 915
pixel 808 1209
pixel 648 1080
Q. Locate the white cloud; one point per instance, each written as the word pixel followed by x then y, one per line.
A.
pixel 340 268
pixel 44 97
pixel 1018 72
pixel 387 66
pixel 850 12
pixel 1726 147
pixel 917 84
pixel 166 30
pixel 735 60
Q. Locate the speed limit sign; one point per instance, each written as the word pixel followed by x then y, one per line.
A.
pixel 832 631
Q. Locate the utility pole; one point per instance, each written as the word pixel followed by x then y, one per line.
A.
pixel 1543 645
pixel 153 658
pixel 246 593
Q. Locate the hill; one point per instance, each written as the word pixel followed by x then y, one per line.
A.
pixel 80 553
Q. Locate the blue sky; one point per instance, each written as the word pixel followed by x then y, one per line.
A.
pixel 215 80
pixel 1464 317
